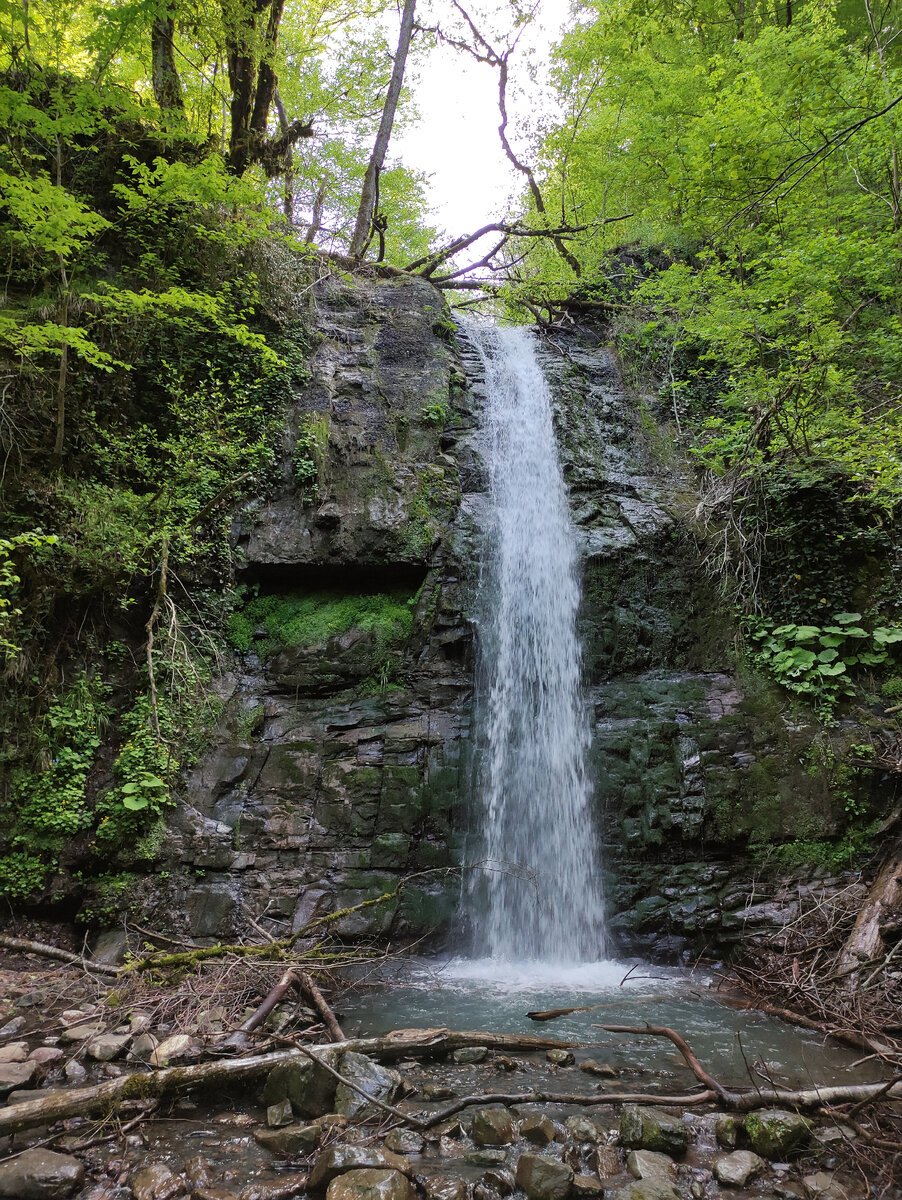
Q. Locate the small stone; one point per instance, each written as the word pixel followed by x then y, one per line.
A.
pixel 581 1129
pixel 46 1056
pixel 74 1071
pixel 777 1134
pixel 287 1187
pixel 823 1185
pixel 107 1047
pixel 647 1164
pixel 139 1022
pixel 31 1000
pixel 605 1161
pixel 200 1173
pixel 587 1187
pixel 13 1027
pixel 437 1091
pixel 641 1129
pixel 543 1178
pixel 14 1052
pixel 736 1169
pixel 371 1185
pixel 726 1130
pixel 289 1141
pixel 341 1158
pixel 372 1078
pixel 40 1175
pixel 81 1033
pixel 280 1114
pixel 485 1156
pixel 561 1058
pixel 404 1141
pixel 537 1129
pixel 591 1067
pixel 16 1075
pixel 499 1181
pixel 493 1127
pixel 697 1190
pixel 156 1181
pixel 212 1193
pixel 445 1187
pixel 180 1045
pixel 469 1054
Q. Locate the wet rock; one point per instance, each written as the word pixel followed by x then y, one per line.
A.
pixel 108 1046
pixel 642 1129
pixel 654 1188
pixel 605 1070
pixel 404 1141
pixel 110 948
pixel 371 1185
pixel 46 1056
pixel 289 1141
pixel 823 1185
pixel 581 1129
pixel 200 1173
pixel 437 1091
pixel 142 1048
pixel 75 1072
pixel 338 1160
pixel 586 1187
pixel 106 1191
pixel 726 1130
pixel 493 1127
pixel 605 1161
pixel 485 1156
pixel 377 1081
pixel 543 1178
pixel 14 1052
pixel 561 1058
pixel 500 1181
pixel 81 1033
pixel 310 1089
pixel 469 1054
pixel 647 1164
pixel 444 1187
pixel 16 1075
pixel 777 1134
pixel 179 1046
pixel 40 1175
pixel 15 1026
pixel 537 1129
pixel 736 1169
pixel 279 1114
pixel 286 1188
pixel 213 1193
pixel 157 1181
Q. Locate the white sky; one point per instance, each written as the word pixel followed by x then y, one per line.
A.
pixel 456 141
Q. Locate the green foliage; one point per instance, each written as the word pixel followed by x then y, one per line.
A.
pixel 818 661
pixel 314 617
pixel 435 413
pixel 9 582
pixel 310 454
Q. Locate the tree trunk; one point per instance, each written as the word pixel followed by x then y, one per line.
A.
pixel 167 87
pixel 865 942
pixel 370 181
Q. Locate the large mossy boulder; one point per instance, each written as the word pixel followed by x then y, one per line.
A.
pixel 542 1177
pixel 369 1077
pixel 778 1134
pixel 642 1129
pixel 309 1088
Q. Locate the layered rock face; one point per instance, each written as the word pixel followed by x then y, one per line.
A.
pixel 340 762
pixel 337 763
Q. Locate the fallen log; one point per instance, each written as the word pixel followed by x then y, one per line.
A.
pixel 54 952
pixel 309 988
pixel 103 1098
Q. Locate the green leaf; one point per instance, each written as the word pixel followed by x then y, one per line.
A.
pixel 837 668
pixel 135 803
pixel 130 788
pixel 847 618
pixel 805 633
pixel 826 656
pixel 886 635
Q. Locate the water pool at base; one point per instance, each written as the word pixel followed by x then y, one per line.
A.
pixel 741 1047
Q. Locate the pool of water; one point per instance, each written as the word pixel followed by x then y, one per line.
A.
pixel 739 1046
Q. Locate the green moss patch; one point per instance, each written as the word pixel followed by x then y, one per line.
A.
pixel 274 620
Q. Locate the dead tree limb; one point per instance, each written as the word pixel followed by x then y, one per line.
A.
pixel 317 999
pixel 239 1039
pixel 682 1045
pixel 45 951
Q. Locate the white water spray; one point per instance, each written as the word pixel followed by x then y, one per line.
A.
pixel 539 900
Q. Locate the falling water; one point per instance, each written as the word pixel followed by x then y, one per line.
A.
pixel 539 898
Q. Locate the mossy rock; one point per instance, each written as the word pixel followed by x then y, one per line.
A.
pixel 777 1134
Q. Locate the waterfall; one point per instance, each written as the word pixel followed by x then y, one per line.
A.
pixel 539 896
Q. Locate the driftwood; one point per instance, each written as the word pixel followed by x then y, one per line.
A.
pixel 45 951
pixel 552 1014
pixel 239 1039
pixel 866 942
pixel 104 1097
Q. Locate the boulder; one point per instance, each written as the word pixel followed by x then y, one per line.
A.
pixel 180 1045
pixel 371 1185
pixel 444 1187
pixel 561 1058
pixel 107 1046
pixel 581 1129
pixel 339 1159
pixel 823 1185
pixel 485 1156
pixel 286 1187
pixel 736 1169
pixel 726 1130
pixel 605 1070
pixel 310 1089
pixel 289 1141
pixel 46 1056
pixel 493 1127
pixel 404 1141
pixel 643 1129
pixel 499 1180
pixel 777 1134
pixel 280 1114
pixel 647 1164
pixel 16 1075
pixel 469 1054
pixel 372 1078
pixel 157 1181
pixel 586 1187
pixel 40 1175
pixel 538 1129
pixel 544 1178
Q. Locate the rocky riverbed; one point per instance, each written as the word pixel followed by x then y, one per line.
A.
pixel 295 1131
